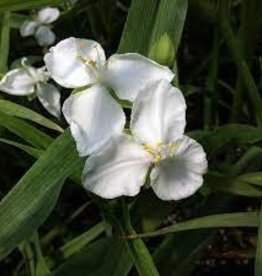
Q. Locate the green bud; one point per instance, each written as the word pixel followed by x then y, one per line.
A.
pixel 163 51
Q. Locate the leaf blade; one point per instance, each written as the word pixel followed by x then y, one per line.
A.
pixel 27 205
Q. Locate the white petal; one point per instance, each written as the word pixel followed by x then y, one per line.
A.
pixel 49 96
pixel 127 74
pixel 17 82
pixel 182 175
pixel 158 114
pixel 48 15
pixel 28 28
pixel 120 168
pixel 65 62
pixel 94 116
pixel 44 36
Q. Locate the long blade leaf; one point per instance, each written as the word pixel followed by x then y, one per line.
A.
pixel 31 200
pixel 242 219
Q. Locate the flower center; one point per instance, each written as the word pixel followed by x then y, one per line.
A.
pixel 160 150
pixel 87 61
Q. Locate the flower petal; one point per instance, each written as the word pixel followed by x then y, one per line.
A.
pixel 182 175
pixel 28 28
pixel 127 74
pixel 158 114
pixel 120 168
pixel 75 62
pixel 17 82
pixel 44 36
pixel 94 116
pixel 48 15
pixel 49 96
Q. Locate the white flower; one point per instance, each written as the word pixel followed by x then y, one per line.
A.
pixel 157 123
pixel 27 80
pixel 39 27
pixel 94 116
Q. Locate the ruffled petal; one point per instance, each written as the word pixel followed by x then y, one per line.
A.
pixel 49 96
pixel 18 82
pixel 28 28
pixel 48 15
pixel 129 73
pixel 158 114
pixel 94 116
pixel 45 36
pixel 180 176
pixel 118 169
pixel 75 62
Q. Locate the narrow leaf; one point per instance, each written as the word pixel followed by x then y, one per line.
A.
pixel 4 40
pixel 84 239
pixel 13 5
pixel 28 204
pixel 138 250
pixel 20 111
pixel 235 185
pixel 24 130
pixel 30 150
pixel 244 219
pixel 101 258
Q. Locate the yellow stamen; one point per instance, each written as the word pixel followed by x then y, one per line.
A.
pixel 160 144
pixel 86 61
pixel 148 148
pixel 172 146
pixel 157 158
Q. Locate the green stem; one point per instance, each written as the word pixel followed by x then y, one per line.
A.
pixel 4 40
pixel 29 257
pixel 248 36
pixel 243 68
pixel 211 100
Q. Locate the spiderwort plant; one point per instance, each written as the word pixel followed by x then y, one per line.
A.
pixel 177 162
pixel 93 114
pixel 40 26
pixel 30 81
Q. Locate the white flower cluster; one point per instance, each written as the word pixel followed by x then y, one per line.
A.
pixel 119 164
pixel 40 26
pixel 30 81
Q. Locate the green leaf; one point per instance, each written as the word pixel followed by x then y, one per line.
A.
pixel 254 178
pixel 141 16
pixel 235 185
pixel 24 130
pixel 174 257
pixel 155 20
pixel 170 19
pixel 242 219
pixel 138 250
pixel 28 204
pixel 84 239
pixel 30 150
pixel 237 134
pixel 242 66
pixel 20 111
pixel 103 257
pixel 4 40
pixel 13 5
pixel 17 20
pixel 150 211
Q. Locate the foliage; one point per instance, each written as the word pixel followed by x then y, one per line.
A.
pixel 51 226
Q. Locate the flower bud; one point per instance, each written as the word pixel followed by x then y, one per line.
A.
pixel 163 51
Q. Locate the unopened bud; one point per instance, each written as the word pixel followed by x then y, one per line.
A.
pixel 163 51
